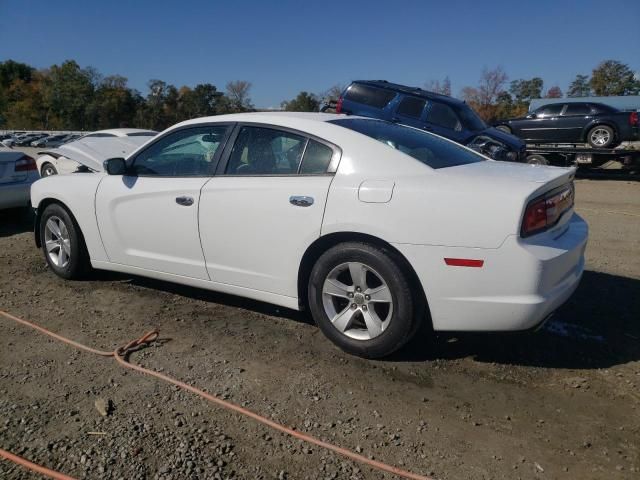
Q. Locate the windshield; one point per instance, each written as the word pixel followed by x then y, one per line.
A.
pixel 469 118
pixel 429 149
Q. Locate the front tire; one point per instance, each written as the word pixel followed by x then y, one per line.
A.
pixel 62 243
pixel 601 136
pixel 47 170
pixel 361 300
pixel 537 160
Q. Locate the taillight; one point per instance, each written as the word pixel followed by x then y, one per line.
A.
pixel 339 105
pixel 633 119
pixel 25 164
pixel 544 212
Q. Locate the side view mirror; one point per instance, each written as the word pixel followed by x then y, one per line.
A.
pixel 532 115
pixel 115 166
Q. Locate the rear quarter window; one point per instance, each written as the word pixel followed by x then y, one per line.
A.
pixel 372 96
pixel 427 148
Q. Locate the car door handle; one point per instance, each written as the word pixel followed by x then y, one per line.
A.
pixel 184 201
pixel 301 201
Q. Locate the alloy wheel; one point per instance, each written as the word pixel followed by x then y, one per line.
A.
pixel 357 301
pixel 600 137
pixel 57 242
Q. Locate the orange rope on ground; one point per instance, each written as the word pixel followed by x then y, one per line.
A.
pixel 120 355
pixel 35 467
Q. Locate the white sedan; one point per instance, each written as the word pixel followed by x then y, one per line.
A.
pixel 375 227
pixel 91 149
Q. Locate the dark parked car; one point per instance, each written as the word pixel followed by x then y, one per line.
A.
pixel 599 125
pixel 440 114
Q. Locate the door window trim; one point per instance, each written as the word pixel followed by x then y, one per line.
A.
pixel 214 163
pixel 230 142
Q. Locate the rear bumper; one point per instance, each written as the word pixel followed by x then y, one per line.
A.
pixel 519 285
pixel 15 195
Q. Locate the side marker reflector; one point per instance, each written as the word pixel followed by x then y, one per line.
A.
pixel 463 262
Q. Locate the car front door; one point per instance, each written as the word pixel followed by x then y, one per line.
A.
pixel 264 208
pixel 541 125
pixel 409 110
pixel 148 218
pixel 443 120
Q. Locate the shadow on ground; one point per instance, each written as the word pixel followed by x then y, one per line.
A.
pixel 597 328
pixel 15 221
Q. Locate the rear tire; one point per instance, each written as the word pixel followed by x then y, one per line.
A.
pixel 62 243
pixel 362 300
pixel 601 136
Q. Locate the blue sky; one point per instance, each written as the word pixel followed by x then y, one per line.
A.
pixel 283 47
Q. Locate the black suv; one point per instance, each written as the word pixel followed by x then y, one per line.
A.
pixel 440 114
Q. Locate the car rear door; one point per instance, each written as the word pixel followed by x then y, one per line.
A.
pixel 264 208
pixel 409 111
pixel 148 218
pixel 572 121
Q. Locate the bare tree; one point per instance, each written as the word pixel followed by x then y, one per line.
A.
pixel 436 86
pixel 484 98
pixel 238 94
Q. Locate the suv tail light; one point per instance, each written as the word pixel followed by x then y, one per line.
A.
pixel 25 164
pixel 339 105
pixel 544 212
pixel 633 119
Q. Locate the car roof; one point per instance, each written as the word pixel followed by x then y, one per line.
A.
pixel 415 91
pixel 278 118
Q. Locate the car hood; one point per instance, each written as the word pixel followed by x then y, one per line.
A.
pixel 93 151
pixel 504 137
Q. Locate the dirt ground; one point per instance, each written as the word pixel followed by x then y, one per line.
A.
pixel 562 403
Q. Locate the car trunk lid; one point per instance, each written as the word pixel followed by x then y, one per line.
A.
pixel 93 151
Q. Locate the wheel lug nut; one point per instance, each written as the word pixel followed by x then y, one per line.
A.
pixel 357 289
pixel 350 294
pixel 354 306
pixel 364 307
pixel 367 297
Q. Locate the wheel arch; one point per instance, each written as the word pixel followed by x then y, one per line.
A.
pixel 599 123
pixel 325 242
pixel 44 203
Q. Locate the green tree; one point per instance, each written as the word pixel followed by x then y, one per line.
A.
pixel 304 102
pixel 613 78
pixel 114 104
pixel 523 91
pixel 579 87
pixel 68 90
pixel 201 101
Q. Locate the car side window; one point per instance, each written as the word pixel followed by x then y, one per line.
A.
pixel 187 152
pixel 371 96
pixel 577 109
pixel 265 151
pixel 317 158
pixel 549 110
pixel 411 107
pixel 443 115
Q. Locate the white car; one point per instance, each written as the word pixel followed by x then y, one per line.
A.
pixel 91 149
pixel 17 173
pixel 375 227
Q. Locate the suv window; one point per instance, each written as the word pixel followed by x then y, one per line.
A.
pixel 188 152
pixel 549 110
pixel 265 151
pixel 444 116
pixel 411 107
pixel 427 148
pixel 374 97
pixel 578 109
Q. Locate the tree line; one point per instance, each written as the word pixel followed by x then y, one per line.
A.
pixel 68 97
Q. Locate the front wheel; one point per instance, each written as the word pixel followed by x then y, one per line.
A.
pixel 48 170
pixel 62 243
pixel 361 300
pixel 601 136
